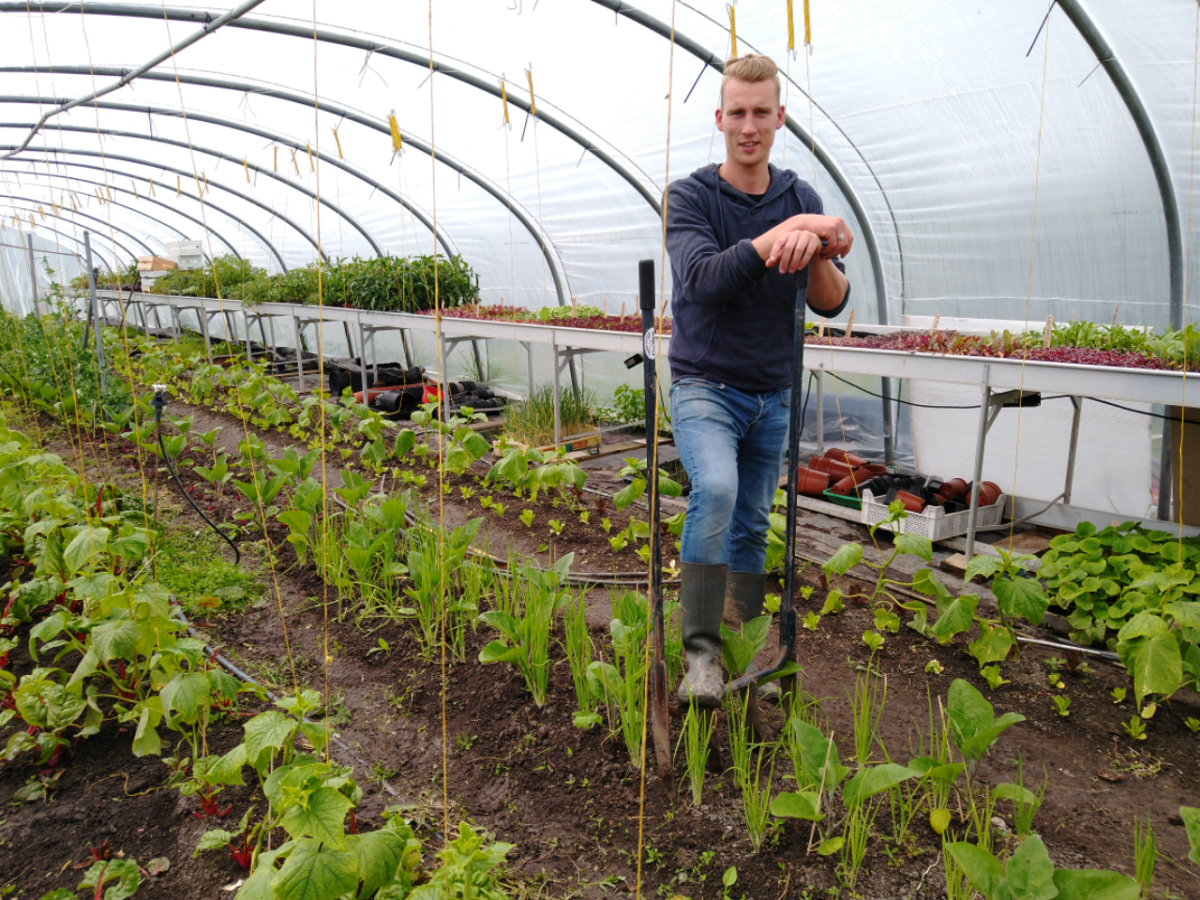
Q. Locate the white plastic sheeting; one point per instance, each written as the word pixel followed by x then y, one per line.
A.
pixel 933 114
pixel 55 262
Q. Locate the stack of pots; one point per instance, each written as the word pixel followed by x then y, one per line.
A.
pixel 837 471
pixel 840 472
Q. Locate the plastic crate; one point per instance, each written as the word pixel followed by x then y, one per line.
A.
pixel 934 523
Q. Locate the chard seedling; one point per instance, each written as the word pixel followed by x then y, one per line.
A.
pixel 873 640
pixel 1192 723
pixel 584 517
pixel 606 524
pixel 526 518
pixel 974 726
pixel 1062 704
pixel 556 526
pixel 618 542
pixel 811 621
pixel 933 667
pixel 1118 695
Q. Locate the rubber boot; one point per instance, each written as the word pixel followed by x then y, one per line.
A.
pixel 702 602
pixel 744 596
pixel 745 593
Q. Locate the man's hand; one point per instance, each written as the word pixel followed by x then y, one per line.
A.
pixel 830 229
pixel 789 244
pixel 792 250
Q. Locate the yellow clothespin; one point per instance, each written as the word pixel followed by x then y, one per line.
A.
pixel 276 158
pixel 152 194
pixel 312 167
pixel 338 141
pixel 504 100
pixel 246 166
pixel 41 211
pixel 397 140
pixel 178 187
pixel 732 33
pixel 32 224
pixel 532 99
pixel 206 188
pixel 108 191
pixel 74 202
pixel 807 25
pixel 294 163
pixel 792 26
pixel 199 186
pixel 133 184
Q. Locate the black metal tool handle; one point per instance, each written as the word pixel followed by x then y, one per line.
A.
pixel 659 713
pixel 650 375
pixel 787 609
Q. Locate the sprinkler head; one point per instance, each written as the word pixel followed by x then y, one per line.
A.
pixel 159 403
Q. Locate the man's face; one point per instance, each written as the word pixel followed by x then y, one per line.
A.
pixel 749 117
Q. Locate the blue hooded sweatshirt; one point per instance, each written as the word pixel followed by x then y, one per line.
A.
pixel 732 320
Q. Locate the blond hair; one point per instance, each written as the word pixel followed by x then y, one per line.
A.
pixel 750 67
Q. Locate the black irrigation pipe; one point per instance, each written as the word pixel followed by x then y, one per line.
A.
pixel 160 403
pixel 242 676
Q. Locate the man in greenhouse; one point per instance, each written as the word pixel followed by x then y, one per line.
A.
pixel 737 233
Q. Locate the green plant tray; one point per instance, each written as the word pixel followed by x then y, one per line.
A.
pixel 840 500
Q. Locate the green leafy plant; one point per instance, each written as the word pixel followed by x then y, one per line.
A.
pixel 632 492
pixel 696 735
pixel 525 638
pixel 974 726
pixel 1135 728
pixel 1030 875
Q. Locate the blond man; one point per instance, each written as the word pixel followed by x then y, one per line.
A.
pixel 737 234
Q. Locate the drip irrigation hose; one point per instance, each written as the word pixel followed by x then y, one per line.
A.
pixel 160 403
pixel 237 673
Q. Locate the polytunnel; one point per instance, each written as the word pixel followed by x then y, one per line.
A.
pixel 381 511
pixel 936 136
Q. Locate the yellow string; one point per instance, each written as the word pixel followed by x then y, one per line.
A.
pixel 652 453
pixel 1187 269
pixel 443 378
pixel 1037 172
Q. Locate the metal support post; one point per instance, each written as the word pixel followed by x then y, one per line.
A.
pixel 246 324
pixel 1166 459
pixel 1076 402
pixel 362 356
pixel 889 427
pixel 528 365
pixel 554 381
pixel 985 406
pixel 820 412
pixel 93 308
pixel 299 351
pixel 33 274
pixel 202 315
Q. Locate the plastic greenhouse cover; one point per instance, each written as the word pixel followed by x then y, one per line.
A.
pixel 934 117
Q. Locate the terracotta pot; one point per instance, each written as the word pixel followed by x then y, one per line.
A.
pixel 811 482
pixel 912 503
pixel 841 455
pixel 845 487
pixel 835 467
pixel 872 469
pixel 954 489
pixel 989 493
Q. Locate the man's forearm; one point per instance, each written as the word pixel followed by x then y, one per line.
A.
pixel 826 284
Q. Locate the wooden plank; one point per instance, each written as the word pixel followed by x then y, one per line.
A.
pixel 611 449
pixel 956 564
pixel 1027 542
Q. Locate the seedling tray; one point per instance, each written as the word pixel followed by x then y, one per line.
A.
pixel 842 500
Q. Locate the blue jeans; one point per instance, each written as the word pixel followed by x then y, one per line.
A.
pixel 732 445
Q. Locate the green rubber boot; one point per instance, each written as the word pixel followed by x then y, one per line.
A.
pixel 702 602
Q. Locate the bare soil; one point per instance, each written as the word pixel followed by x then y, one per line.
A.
pixel 455 740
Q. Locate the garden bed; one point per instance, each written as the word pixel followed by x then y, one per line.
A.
pixel 461 740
